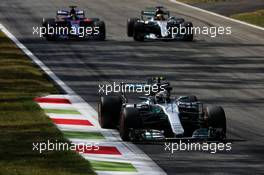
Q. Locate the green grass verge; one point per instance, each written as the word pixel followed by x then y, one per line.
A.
pixel 256 17
pixel 62 111
pixel 83 135
pixel 22 122
pixel 112 166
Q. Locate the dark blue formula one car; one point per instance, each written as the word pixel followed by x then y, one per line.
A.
pixel 72 24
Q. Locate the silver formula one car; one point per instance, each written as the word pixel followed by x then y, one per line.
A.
pixel 156 23
pixel 72 24
pixel 160 117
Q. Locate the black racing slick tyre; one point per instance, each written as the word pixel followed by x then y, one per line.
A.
pixel 139 31
pixel 102 31
pixel 129 119
pixel 188 36
pixel 109 109
pixel 130 26
pixel 47 25
pixel 217 119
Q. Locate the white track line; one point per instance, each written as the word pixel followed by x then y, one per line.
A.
pixel 56 106
pixel 218 15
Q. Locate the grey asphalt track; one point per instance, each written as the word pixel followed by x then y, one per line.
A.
pixel 226 70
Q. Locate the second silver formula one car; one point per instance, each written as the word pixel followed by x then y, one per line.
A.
pixel 156 23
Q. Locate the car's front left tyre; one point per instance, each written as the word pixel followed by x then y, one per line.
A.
pixel 129 119
pixel 109 109
pixel 130 26
pixel 139 31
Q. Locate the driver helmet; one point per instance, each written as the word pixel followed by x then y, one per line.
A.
pixel 160 17
pixel 73 14
pixel 161 97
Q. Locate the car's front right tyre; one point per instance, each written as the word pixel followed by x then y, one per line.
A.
pixel 188 36
pixel 102 31
pixel 217 120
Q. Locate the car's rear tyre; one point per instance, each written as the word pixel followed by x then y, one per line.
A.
pixel 129 119
pixel 189 31
pixel 130 26
pixel 217 119
pixel 138 31
pixel 47 25
pixel 102 31
pixel 109 109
